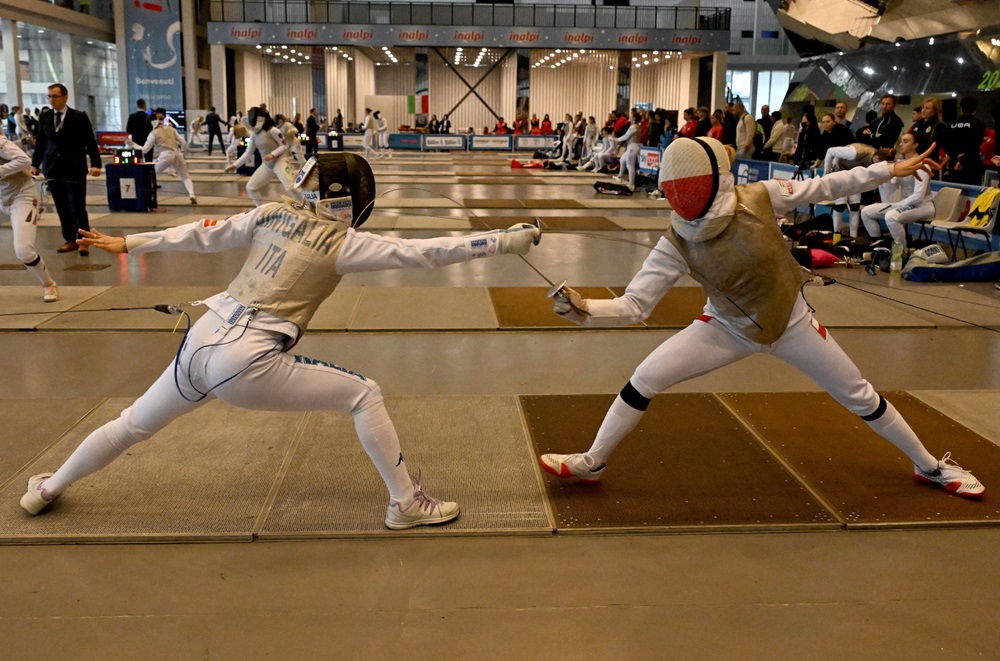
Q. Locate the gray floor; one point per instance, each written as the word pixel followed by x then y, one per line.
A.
pixel 871 595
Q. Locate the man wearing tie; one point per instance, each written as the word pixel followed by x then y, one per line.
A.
pixel 65 140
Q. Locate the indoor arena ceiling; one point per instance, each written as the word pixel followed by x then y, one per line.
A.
pixel 847 24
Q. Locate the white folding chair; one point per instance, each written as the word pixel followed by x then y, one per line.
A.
pixel 946 207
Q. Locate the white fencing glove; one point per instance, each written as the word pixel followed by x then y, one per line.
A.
pixel 519 238
pixel 569 304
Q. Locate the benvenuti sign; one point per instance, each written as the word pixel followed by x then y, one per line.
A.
pixel 490 37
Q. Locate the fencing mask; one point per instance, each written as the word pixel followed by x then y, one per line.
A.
pixel 340 185
pixel 689 174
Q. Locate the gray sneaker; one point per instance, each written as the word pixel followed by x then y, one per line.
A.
pixel 422 510
pixel 36 499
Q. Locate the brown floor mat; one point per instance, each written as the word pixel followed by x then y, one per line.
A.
pixel 535 203
pixel 688 464
pixel 492 203
pixel 527 307
pixel 677 309
pixel 865 478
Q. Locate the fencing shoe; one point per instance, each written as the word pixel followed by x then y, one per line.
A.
pixel 51 294
pixel 571 465
pixel 952 477
pixel 36 499
pixel 422 510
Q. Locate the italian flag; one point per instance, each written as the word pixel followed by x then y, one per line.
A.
pixel 417 104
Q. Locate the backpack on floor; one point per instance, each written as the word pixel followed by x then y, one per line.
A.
pixel 611 188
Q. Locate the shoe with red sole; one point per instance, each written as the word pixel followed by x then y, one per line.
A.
pixel 571 465
pixel 952 477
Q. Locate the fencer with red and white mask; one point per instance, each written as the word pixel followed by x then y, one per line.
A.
pixel 726 237
pixel 239 351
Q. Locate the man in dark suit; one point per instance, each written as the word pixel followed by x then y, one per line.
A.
pixel 139 127
pixel 214 122
pixel 312 128
pixel 65 140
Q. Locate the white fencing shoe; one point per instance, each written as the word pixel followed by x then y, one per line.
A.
pixel 571 465
pixel 953 478
pixel 36 499
pixel 422 510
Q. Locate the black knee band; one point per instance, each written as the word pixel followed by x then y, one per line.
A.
pixel 633 398
pixel 840 207
pixel 37 259
pixel 878 412
pixel 855 207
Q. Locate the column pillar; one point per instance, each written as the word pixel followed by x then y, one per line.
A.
pixel 125 104
pixel 190 52
pixel 719 64
pixel 69 68
pixel 219 78
pixel 11 61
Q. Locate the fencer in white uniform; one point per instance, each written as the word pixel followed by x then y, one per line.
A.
pixel 19 207
pixel 915 206
pixel 630 159
pixel 276 162
pixel 382 126
pixel 369 126
pixel 601 154
pixel 291 134
pixel 240 350
pixel 727 238
pixel 857 155
pixel 170 149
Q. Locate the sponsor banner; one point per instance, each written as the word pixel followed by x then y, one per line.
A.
pixel 153 53
pixel 649 160
pixel 354 140
pixel 748 172
pixel 404 141
pixel 490 37
pixel 499 142
pixel 448 141
pixel 109 140
pixel 533 142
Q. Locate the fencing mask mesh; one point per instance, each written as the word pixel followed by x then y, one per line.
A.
pixel 689 175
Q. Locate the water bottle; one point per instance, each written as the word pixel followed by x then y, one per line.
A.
pixel 896 263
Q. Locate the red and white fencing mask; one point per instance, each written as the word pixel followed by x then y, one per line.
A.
pixel 689 174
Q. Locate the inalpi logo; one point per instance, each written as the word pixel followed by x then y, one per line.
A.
pixel 524 37
pixel 246 33
pixel 358 34
pixel 578 38
pixel 301 34
pixel 413 35
pixel 469 36
pixel 686 39
pixel 633 38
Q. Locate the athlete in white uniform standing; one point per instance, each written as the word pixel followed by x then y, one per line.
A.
pixel 270 142
pixel 369 127
pixel 727 239
pixel 291 137
pixel 630 159
pixel 239 351
pixel 19 207
pixel 382 126
pixel 170 148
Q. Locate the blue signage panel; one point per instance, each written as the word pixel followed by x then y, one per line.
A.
pixel 534 142
pixel 491 142
pixel 442 141
pixel 649 161
pixel 404 141
pixel 748 172
pixel 153 53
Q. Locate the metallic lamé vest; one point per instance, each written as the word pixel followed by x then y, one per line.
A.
pixel 291 268
pixel 747 272
pixel 167 138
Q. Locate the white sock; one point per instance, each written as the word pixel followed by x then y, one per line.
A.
pixel 892 427
pixel 97 451
pixel 40 272
pixel 618 422
pixel 379 439
pixel 189 185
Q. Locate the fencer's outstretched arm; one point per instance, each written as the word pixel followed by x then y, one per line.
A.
pixel 661 270
pixel 787 194
pixel 206 235
pixel 363 251
pixel 245 158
